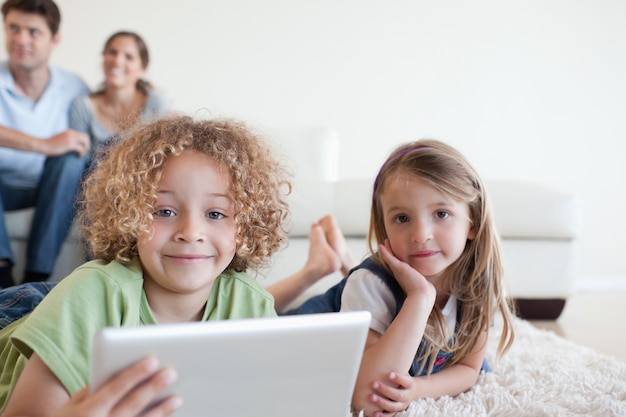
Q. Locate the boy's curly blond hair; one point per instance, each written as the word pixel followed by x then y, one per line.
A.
pixel 118 198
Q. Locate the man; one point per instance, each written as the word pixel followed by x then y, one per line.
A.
pixel 41 160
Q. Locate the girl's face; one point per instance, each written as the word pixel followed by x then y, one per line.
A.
pixel 426 228
pixel 193 238
pixel 122 63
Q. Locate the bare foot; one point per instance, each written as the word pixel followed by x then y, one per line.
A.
pixel 337 241
pixel 323 260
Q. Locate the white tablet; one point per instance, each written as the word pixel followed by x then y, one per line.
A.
pixel 303 365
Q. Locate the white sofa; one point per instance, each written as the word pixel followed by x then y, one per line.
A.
pixel 72 253
pixel 538 225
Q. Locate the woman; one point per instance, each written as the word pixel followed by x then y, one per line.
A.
pixel 125 97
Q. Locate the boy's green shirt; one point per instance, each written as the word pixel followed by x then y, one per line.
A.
pixel 96 295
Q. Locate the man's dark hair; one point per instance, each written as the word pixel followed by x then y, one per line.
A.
pixel 45 8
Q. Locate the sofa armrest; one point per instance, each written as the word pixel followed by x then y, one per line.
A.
pixel 528 210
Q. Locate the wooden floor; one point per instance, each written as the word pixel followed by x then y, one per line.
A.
pixel 594 318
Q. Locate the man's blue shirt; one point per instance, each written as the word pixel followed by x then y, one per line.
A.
pixel 44 118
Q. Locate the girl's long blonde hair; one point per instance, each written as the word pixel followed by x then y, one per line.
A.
pixel 476 279
pixel 118 199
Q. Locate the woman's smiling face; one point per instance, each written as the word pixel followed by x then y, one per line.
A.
pixel 122 63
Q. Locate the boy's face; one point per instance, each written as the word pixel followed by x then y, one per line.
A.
pixel 193 238
pixel 426 228
pixel 29 40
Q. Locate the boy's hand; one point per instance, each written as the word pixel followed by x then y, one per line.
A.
pixel 127 394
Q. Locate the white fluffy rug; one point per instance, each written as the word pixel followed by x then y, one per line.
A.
pixel 541 375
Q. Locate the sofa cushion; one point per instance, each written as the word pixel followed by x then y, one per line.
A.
pixel 19 221
pixel 528 210
pixel 353 204
pixel 309 201
pixel 310 153
pixel 522 209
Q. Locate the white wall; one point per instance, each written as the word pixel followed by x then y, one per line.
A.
pixel 528 89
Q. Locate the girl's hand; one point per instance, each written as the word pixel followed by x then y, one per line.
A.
pixel 395 395
pixel 126 394
pixel 409 279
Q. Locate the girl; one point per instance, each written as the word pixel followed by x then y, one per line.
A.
pixel 433 285
pixel 125 97
pixel 175 214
